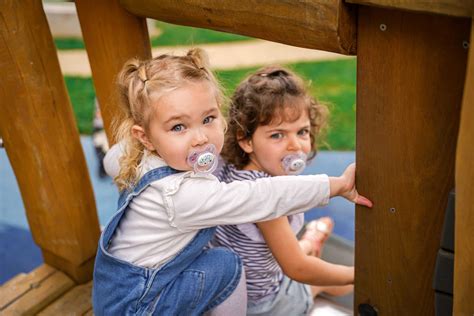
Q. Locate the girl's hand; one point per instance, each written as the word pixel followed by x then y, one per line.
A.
pixel 345 186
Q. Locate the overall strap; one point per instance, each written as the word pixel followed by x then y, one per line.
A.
pixel 153 175
pixel 127 195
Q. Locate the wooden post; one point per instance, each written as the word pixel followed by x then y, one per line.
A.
pixel 464 218
pixel 321 24
pixel 112 36
pixel 42 142
pixel 410 79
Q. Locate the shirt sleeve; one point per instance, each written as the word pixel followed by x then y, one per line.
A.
pixel 206 202
pixel 111 160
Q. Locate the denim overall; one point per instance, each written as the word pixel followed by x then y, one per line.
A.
pixel 196 280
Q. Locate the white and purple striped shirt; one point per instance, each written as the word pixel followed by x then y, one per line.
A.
pixel 262 271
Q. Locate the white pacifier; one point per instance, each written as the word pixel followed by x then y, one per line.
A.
pixel 203 161
pixel 294 163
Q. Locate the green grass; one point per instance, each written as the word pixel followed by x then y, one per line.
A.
pixel 82 94
pixel 333 82
pixel 171 35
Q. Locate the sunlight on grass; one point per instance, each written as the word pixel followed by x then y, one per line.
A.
pixel 171 35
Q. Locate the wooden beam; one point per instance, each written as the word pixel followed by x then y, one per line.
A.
pixel 464 218
pixel 42 141
pixel 320 24
pixel 76 301
pixel 409 92
pixel 460 8
pixel 34 291
pixel 112 36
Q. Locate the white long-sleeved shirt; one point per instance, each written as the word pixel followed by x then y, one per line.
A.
pixel 167 215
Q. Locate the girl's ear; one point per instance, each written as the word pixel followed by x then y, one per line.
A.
pixel 245 143
pixel 139 133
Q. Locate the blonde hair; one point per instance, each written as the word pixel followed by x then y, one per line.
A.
pixel 142 82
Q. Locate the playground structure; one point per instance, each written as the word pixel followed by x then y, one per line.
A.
pixel 415 128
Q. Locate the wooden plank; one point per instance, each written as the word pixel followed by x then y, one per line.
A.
pixel 35 291
pixel 21 283
pixel 409 92
pixel 76 301
pixel 112 36
pixel 464 218
pixel 461 8
pixel 320 24
pixel 42 140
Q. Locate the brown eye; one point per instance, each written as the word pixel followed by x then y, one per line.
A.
pixel 303 132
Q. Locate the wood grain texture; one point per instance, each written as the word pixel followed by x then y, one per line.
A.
pixel 410 80
pixel 461 8
pixel 464 216
pixel 320 24
pixel 112 36
pixel 36 291
pixel 20 284
pixel 77 301
pixel 42 141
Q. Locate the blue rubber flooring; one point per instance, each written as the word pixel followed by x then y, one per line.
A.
pixel 19 253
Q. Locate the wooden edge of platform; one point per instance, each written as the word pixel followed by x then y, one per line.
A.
pixel 27 294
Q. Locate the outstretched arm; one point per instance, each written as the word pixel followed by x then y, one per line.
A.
pixel 295 263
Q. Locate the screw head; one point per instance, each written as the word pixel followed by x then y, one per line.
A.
pixel 383 27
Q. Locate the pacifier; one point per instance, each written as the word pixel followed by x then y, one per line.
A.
pixel 203 161
pixel 294 163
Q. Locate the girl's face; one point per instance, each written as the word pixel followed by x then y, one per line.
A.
pixel 271 143
pixel 184 120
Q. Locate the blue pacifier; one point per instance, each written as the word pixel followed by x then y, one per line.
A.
pixel 294 163
pixel 203 161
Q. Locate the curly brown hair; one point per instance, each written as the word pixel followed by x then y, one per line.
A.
pixel 270 93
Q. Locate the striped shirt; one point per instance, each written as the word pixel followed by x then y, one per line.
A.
pixel 263 273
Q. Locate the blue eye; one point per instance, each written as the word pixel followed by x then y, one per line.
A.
pixel 209 119
pixel 177 128
pixel 276 136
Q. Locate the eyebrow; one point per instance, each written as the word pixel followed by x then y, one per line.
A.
pixel 176 118
pixel 180 117
pixel 213 109
pixel 284 130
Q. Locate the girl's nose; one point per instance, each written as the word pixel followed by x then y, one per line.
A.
pixel 199 137
pixel 293 143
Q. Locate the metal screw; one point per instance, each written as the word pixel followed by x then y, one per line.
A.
pixel 1 142
pixel 383 27
pixel 392 210
pixel 465 44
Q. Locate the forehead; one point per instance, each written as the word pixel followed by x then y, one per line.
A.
pixel 295 112
pixel 188 98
